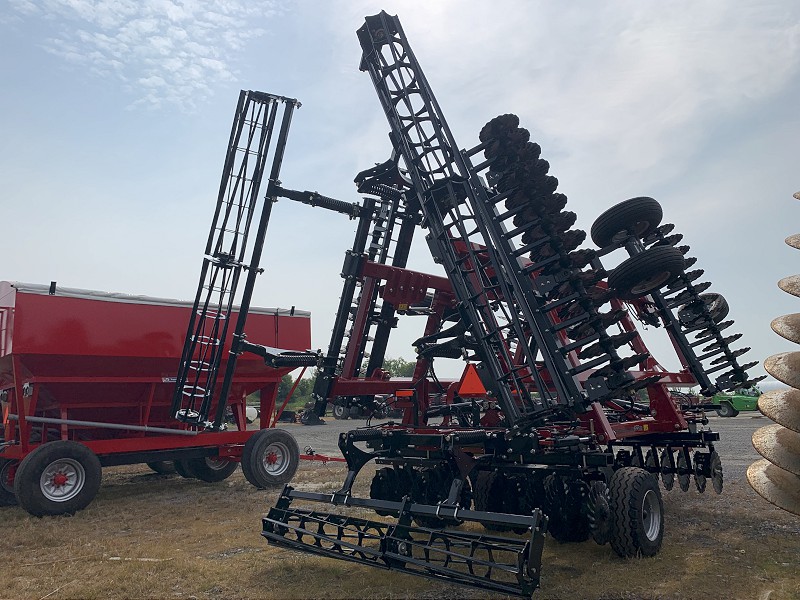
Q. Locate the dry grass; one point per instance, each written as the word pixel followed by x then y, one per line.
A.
pixel 151 536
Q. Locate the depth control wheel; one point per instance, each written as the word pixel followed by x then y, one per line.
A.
pixel 57 478
pixel 637 513
pixel 270 457
pixel 646 272
pixel 636 217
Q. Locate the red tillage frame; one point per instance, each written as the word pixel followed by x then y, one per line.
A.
pixel 99 368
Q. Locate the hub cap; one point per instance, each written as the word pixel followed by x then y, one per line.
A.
pixel 62 480
pixel 276 458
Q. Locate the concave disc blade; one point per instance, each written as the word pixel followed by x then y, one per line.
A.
pixel 780 446
pixel 787 326
pixel 790 285
pixel 782 406
pixel 775 485
pixel 785 367
pixel 793 241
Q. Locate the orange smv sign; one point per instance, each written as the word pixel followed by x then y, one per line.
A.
pixel 470 384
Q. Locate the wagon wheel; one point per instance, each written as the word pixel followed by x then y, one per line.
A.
pixel 211 468
pixel 7 497
pixel 162 467
pixel 637 512
pixel 57 478
pixel 182 469
pixel 270 457
pixel 646 272
pixel 637 217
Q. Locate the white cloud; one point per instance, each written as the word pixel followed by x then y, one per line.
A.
pixel 189 44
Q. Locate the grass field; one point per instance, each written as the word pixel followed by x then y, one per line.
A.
pixel 155 536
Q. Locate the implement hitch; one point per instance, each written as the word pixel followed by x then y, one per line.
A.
pixel 499 564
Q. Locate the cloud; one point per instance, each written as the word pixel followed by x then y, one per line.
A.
pixel 164 52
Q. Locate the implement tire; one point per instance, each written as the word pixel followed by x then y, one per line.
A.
pixel 270 457
pixel 162 467
pixel 646 272
pixel 57 478
pixel 637 513
pixel 638 216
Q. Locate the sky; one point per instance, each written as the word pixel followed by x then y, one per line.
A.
pixel 115 116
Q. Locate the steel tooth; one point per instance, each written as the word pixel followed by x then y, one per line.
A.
pixel 696 289
pixel 782 406
pixel 734 354
pixel 775 485
pixel 790 285
pixel 726 341
pixel 785 367
pixel 793 241
pixel 787 326
pixel 780 446
pixel 690 261
pixel 706 330
pixel 684 249
pixel 751 382
pixel 663 230
pixel 670 240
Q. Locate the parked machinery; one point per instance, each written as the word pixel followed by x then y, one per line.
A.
pixel 562 421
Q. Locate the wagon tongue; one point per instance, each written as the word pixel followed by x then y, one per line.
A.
pixel 499 564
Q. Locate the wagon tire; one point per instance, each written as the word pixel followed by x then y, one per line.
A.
pixel 637 513
pixel 162 467
pixel 7 496
pixel 646 272
pixel 270 457
pixel 210 468
pixel 57 478
pixel 182 469
pixel 638 216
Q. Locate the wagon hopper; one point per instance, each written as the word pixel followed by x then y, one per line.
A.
pixel 86 381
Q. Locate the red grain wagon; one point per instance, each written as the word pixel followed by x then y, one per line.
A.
pixel 86 381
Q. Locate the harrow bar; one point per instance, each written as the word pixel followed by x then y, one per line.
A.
pixel 499 564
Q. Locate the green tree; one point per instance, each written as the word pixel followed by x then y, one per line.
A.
pixel 399 367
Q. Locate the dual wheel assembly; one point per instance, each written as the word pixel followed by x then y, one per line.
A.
pixel 63 477
pixel 627 512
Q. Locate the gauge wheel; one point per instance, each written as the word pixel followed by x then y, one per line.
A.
pixel 270 457
pixel 636 217
pixel 57 478
pixel 646 272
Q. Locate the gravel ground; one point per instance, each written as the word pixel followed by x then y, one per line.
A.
pixel 734 446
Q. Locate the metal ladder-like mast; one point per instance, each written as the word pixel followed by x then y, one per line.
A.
pixel 500 306
pixel 229 252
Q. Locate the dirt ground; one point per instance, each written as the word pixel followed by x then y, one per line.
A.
pixel 156 536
